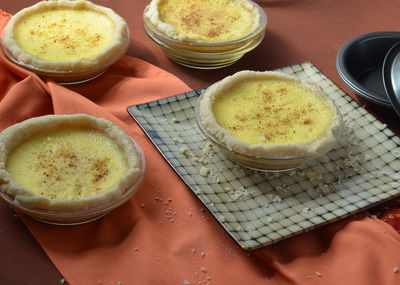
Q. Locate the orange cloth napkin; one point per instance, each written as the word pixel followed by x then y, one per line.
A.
pixel 138 244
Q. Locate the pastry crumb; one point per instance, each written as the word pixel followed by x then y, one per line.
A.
pixel 62 281
pixel 204 171
pixel 396 270
pixel 185 282
pixel 203 269
pixel 318 274
pixel 175 120
pixel 184 150
pixel 178 140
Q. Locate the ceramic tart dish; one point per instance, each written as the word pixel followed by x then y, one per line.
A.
pixel 68 169
pixel 268 120
pixel 205 34
pixel 67 41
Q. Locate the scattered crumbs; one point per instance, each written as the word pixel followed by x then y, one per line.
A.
pixel 142 205
pixel 62 281
pixel 202 210
pixel 374 216
pixel 318 274
pixel 184 150
pixel 208 278
pixel 269 219
pixel 203 269
pixel 305 210
pixel 203 254
pixel 193 251
pixel 178 140
pixel 157 198
pixel 323 254
pixel 99 282
pixel 240 194
pixel 119 283
pixel 136 249
pixel 172 221
pixel 273 198
pixel 169 199
pixel 308 276
pixel 185 282
pixel 396 270
pixel 204 171
pixel 156 258
pixel 175 120
pixel 160 222
pixel 189 214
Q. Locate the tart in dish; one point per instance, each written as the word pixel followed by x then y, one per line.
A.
pixel 205 34
pixel 68 163
pixel 65 36
pixel 204 21
pixel 269 115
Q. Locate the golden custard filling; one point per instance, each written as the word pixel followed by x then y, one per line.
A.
pixel 271 112
pixel 64 34
pixel 67 164
pixel 204 21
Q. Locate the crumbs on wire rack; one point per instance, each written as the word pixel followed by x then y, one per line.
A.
pixel 322 175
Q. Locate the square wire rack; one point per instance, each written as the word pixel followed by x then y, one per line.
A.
pixel 261 208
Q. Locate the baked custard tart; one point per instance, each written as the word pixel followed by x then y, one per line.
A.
pixel 205 34
pixel 268 120
pixel 63 38
pixel 66 165
pixel 204 21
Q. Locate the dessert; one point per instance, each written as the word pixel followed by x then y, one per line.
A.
pixel 69 36
pixel 269 114
pixel 204 21
pixel 67 162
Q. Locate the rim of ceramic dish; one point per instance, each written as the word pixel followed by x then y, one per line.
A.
pixel 258 30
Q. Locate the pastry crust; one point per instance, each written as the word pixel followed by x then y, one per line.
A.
pixel 224 136
pixel 118 45
pixel 13 136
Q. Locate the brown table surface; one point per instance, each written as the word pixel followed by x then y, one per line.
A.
pixel 297 31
